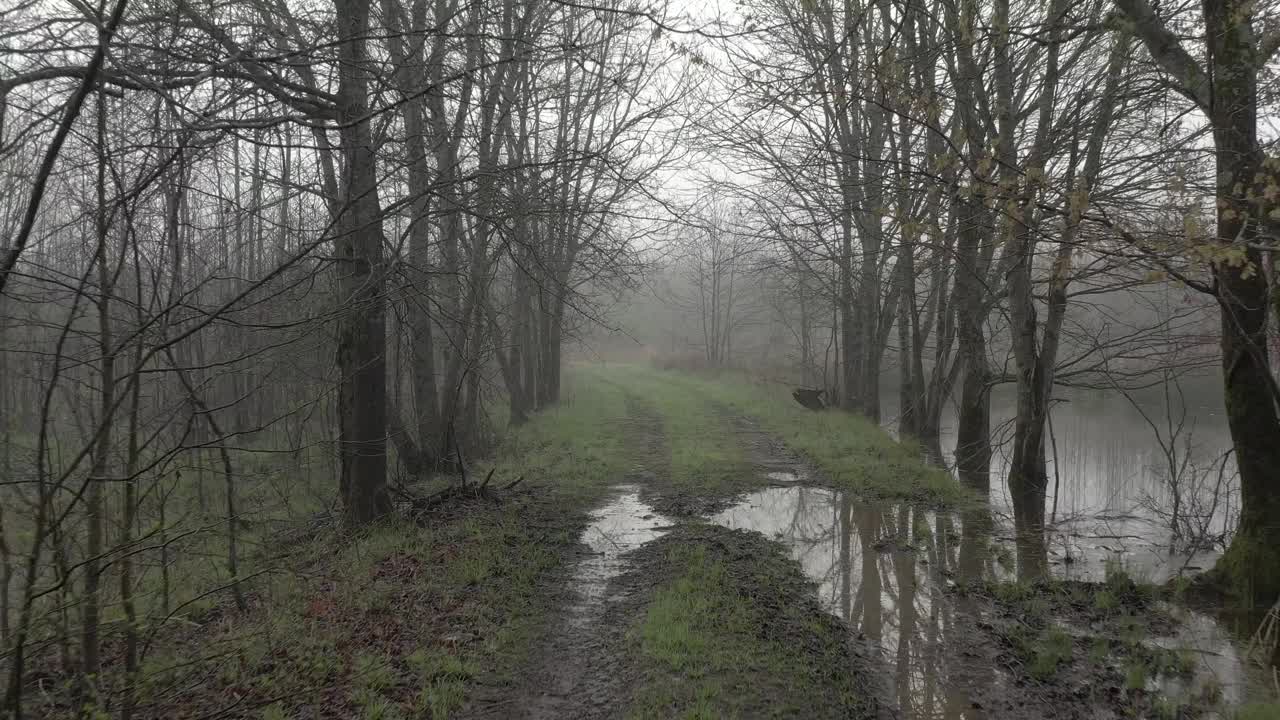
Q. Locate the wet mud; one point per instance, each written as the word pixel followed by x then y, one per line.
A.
pixel 579 669
pixel 913 593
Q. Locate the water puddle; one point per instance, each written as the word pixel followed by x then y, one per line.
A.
pixel 785 477
pixel 878 568
pixel 1217 666
pixel 884 569
pixel 619 527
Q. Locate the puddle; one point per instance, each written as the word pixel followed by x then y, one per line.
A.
pixel 884 569
pixel 619 527
pixel 1217 662
pixel 786 477
pixel 878 568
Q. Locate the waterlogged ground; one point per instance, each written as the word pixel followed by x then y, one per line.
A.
pixel 725 575
pixel 666 546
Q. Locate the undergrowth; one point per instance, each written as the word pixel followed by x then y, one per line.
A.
pixel 401 620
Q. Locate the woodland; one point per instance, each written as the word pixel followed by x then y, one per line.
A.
pixel 273 271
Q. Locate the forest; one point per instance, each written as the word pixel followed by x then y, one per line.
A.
pixel 639 359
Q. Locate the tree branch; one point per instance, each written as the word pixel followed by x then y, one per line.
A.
pixel 1165 49
pixel 105 34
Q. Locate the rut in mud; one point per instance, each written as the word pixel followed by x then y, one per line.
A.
pixel 579 669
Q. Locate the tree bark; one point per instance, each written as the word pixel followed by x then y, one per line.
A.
pixel 1228 94
pixel 361 351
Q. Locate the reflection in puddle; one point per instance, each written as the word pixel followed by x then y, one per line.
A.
pixel 884 569
pixel 878 568
pixel 785 477
pixel 623 525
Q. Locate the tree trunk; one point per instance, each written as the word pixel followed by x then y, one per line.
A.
pixel 1228 94
pixel 973 420
pixel 90 663
pixel 362 421
pixel 1252 563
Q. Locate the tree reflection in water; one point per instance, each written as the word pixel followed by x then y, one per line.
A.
pixel 884 570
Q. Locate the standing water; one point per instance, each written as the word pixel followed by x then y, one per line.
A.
pixel 1110 497
pixel 619 527
pixel 878 568
pixel 885 569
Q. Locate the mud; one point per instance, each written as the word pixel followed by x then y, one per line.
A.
pixel 580 669
pixel 901 602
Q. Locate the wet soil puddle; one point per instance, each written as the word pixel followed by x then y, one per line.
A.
pixel 575 672
pixel 1218 664
pixel 619 527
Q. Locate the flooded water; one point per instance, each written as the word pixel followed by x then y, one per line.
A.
pixel 884 569
pixel 1216 656
pixel 1109 497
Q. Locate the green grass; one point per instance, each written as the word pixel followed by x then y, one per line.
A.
pixel 405 618
pixel 706 457
pixel 575 449
pixel 736 632
pixel 1051 650
pixel 1259 711
pixel 852 452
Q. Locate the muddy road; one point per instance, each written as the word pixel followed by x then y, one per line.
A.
pixel 860 608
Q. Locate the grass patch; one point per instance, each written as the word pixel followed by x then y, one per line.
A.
pixel 1052 649
pixel 575 449
pixel 737 632
pixel 1258 711
pixel 706 459
pixel 852 452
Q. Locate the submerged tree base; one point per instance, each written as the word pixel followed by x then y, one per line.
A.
pixel 1249 572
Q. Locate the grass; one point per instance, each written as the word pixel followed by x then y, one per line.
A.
pixel 404 619
pixel 575 449
pixel 852 452
pixel 1121 616
pixel 705 457
pixel 395 623
pixel 1259 711
pixel 1051 650
pixel 736 632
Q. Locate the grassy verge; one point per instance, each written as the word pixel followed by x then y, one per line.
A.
pixel 1259 711
pixel 405 619
pixel 852 452
pixel 736 631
